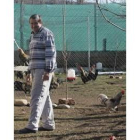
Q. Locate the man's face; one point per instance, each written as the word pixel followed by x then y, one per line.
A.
pixel 35 25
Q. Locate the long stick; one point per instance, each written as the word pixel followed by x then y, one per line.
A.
pixel 16 44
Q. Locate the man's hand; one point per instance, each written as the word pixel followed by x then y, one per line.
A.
pixel 28 78
pixel 45 76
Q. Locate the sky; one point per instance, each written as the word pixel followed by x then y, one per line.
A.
pixel 103 1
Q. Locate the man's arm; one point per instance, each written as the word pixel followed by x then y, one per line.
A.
pixel 50 54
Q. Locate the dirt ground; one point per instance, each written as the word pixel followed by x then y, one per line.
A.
pixel 87 119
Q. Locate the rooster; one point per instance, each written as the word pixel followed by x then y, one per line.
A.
pixel 112 138
pixel 87 76
pixel 112 103
pixel 22 86
pixel 23 57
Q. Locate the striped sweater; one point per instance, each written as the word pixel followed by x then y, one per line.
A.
pixel 42 52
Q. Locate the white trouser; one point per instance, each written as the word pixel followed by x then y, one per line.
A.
pixel 40 104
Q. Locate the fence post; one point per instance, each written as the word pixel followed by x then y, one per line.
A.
pixel 65 48
pixel 95 27
pixel 21 24
pixel 88 35
pixel 104 44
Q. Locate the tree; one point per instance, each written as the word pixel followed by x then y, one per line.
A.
pixel 122 15
pixel 80 1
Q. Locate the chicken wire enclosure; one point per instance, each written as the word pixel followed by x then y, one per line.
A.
pixel 87 36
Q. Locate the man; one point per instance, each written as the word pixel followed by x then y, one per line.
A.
pixel 42 63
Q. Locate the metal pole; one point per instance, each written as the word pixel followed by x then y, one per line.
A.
pixel 21 24
pixel 64 46
pixel 117 46
pixel 66 81
pixel 64 39
pixel 95 27
pixel 88 28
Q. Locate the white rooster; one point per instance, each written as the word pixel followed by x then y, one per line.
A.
pixel 111 103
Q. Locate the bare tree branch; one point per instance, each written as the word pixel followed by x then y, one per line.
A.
pixel 119 15
pixel 120 3
pixel 107 19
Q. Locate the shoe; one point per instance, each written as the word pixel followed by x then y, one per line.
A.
pixel 44 129
pixel 26 130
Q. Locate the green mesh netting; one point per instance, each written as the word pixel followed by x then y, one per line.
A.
pixel 80 33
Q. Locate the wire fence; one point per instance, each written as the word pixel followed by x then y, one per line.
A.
pixel 80 30
pixel 88 33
